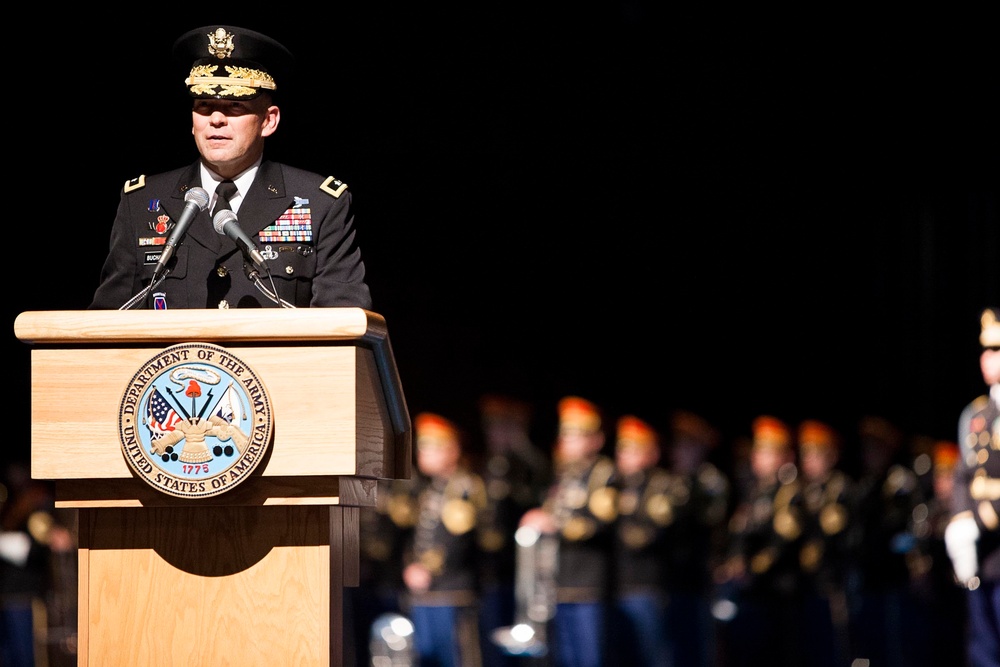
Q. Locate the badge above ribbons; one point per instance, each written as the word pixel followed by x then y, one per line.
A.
pixel 195 421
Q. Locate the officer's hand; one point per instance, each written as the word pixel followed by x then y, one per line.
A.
pixel 960 539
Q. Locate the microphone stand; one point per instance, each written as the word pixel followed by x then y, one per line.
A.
pixel 131 303
pixel 254 276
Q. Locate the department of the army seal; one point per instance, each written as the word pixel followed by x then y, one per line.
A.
pixel 195 421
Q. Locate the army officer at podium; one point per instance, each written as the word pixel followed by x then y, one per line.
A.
pixel 290 240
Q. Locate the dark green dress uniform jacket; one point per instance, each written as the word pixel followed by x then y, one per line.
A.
pixel 319 264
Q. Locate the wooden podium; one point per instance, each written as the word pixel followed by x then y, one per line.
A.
pixel 253 575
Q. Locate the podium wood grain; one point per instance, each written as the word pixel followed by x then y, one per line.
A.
pixel 253 576
pixel 164 590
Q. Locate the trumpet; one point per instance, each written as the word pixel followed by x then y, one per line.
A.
pixel 537 559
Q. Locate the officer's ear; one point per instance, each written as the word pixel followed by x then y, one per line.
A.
pixel 270 120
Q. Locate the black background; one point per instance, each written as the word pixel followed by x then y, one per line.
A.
pixel 653 208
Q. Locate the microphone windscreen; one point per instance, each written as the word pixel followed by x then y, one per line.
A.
pixel 221 218
pixel 198 196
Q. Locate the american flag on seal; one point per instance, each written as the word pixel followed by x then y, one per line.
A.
pixel 160 417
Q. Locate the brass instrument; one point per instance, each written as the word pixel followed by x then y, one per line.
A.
pixel 534 594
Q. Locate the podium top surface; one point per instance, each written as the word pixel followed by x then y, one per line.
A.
pixel 159 326
pixel 70 358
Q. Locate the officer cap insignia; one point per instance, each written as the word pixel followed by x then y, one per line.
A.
pixel 229 62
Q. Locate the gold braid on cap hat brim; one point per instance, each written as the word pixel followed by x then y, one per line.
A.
pixel 242 81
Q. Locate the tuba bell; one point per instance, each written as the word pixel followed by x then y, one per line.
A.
pixel 534 594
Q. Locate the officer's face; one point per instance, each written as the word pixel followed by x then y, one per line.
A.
pixel 230 134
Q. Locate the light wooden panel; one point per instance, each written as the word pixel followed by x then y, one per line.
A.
pixel 105 347
pixel 254 575
pixel 76 396
pixel 186 586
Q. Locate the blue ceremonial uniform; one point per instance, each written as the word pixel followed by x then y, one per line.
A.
pixel 696 542
pixel 766 534
pixel 514 481
pixel 645 512
pixel 824 561
pixel 762 566
pixel 445 541
pixel 584 503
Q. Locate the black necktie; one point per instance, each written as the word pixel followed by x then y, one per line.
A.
pixel 225 190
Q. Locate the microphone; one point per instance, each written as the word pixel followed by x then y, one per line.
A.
pixel 225 223
pixel 195 201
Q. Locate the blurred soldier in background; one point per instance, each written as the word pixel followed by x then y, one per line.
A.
pixel 941 600
pixel 440 565
pixel 973 535
pixel 383 599
pixel 644 513
pixel 384 530
pixel 921 461
pixel 883 549
pixel 516 474
pixel 581 506
pixel 824 555
pixel 38 590
pixel 696 540
pixel 765 535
